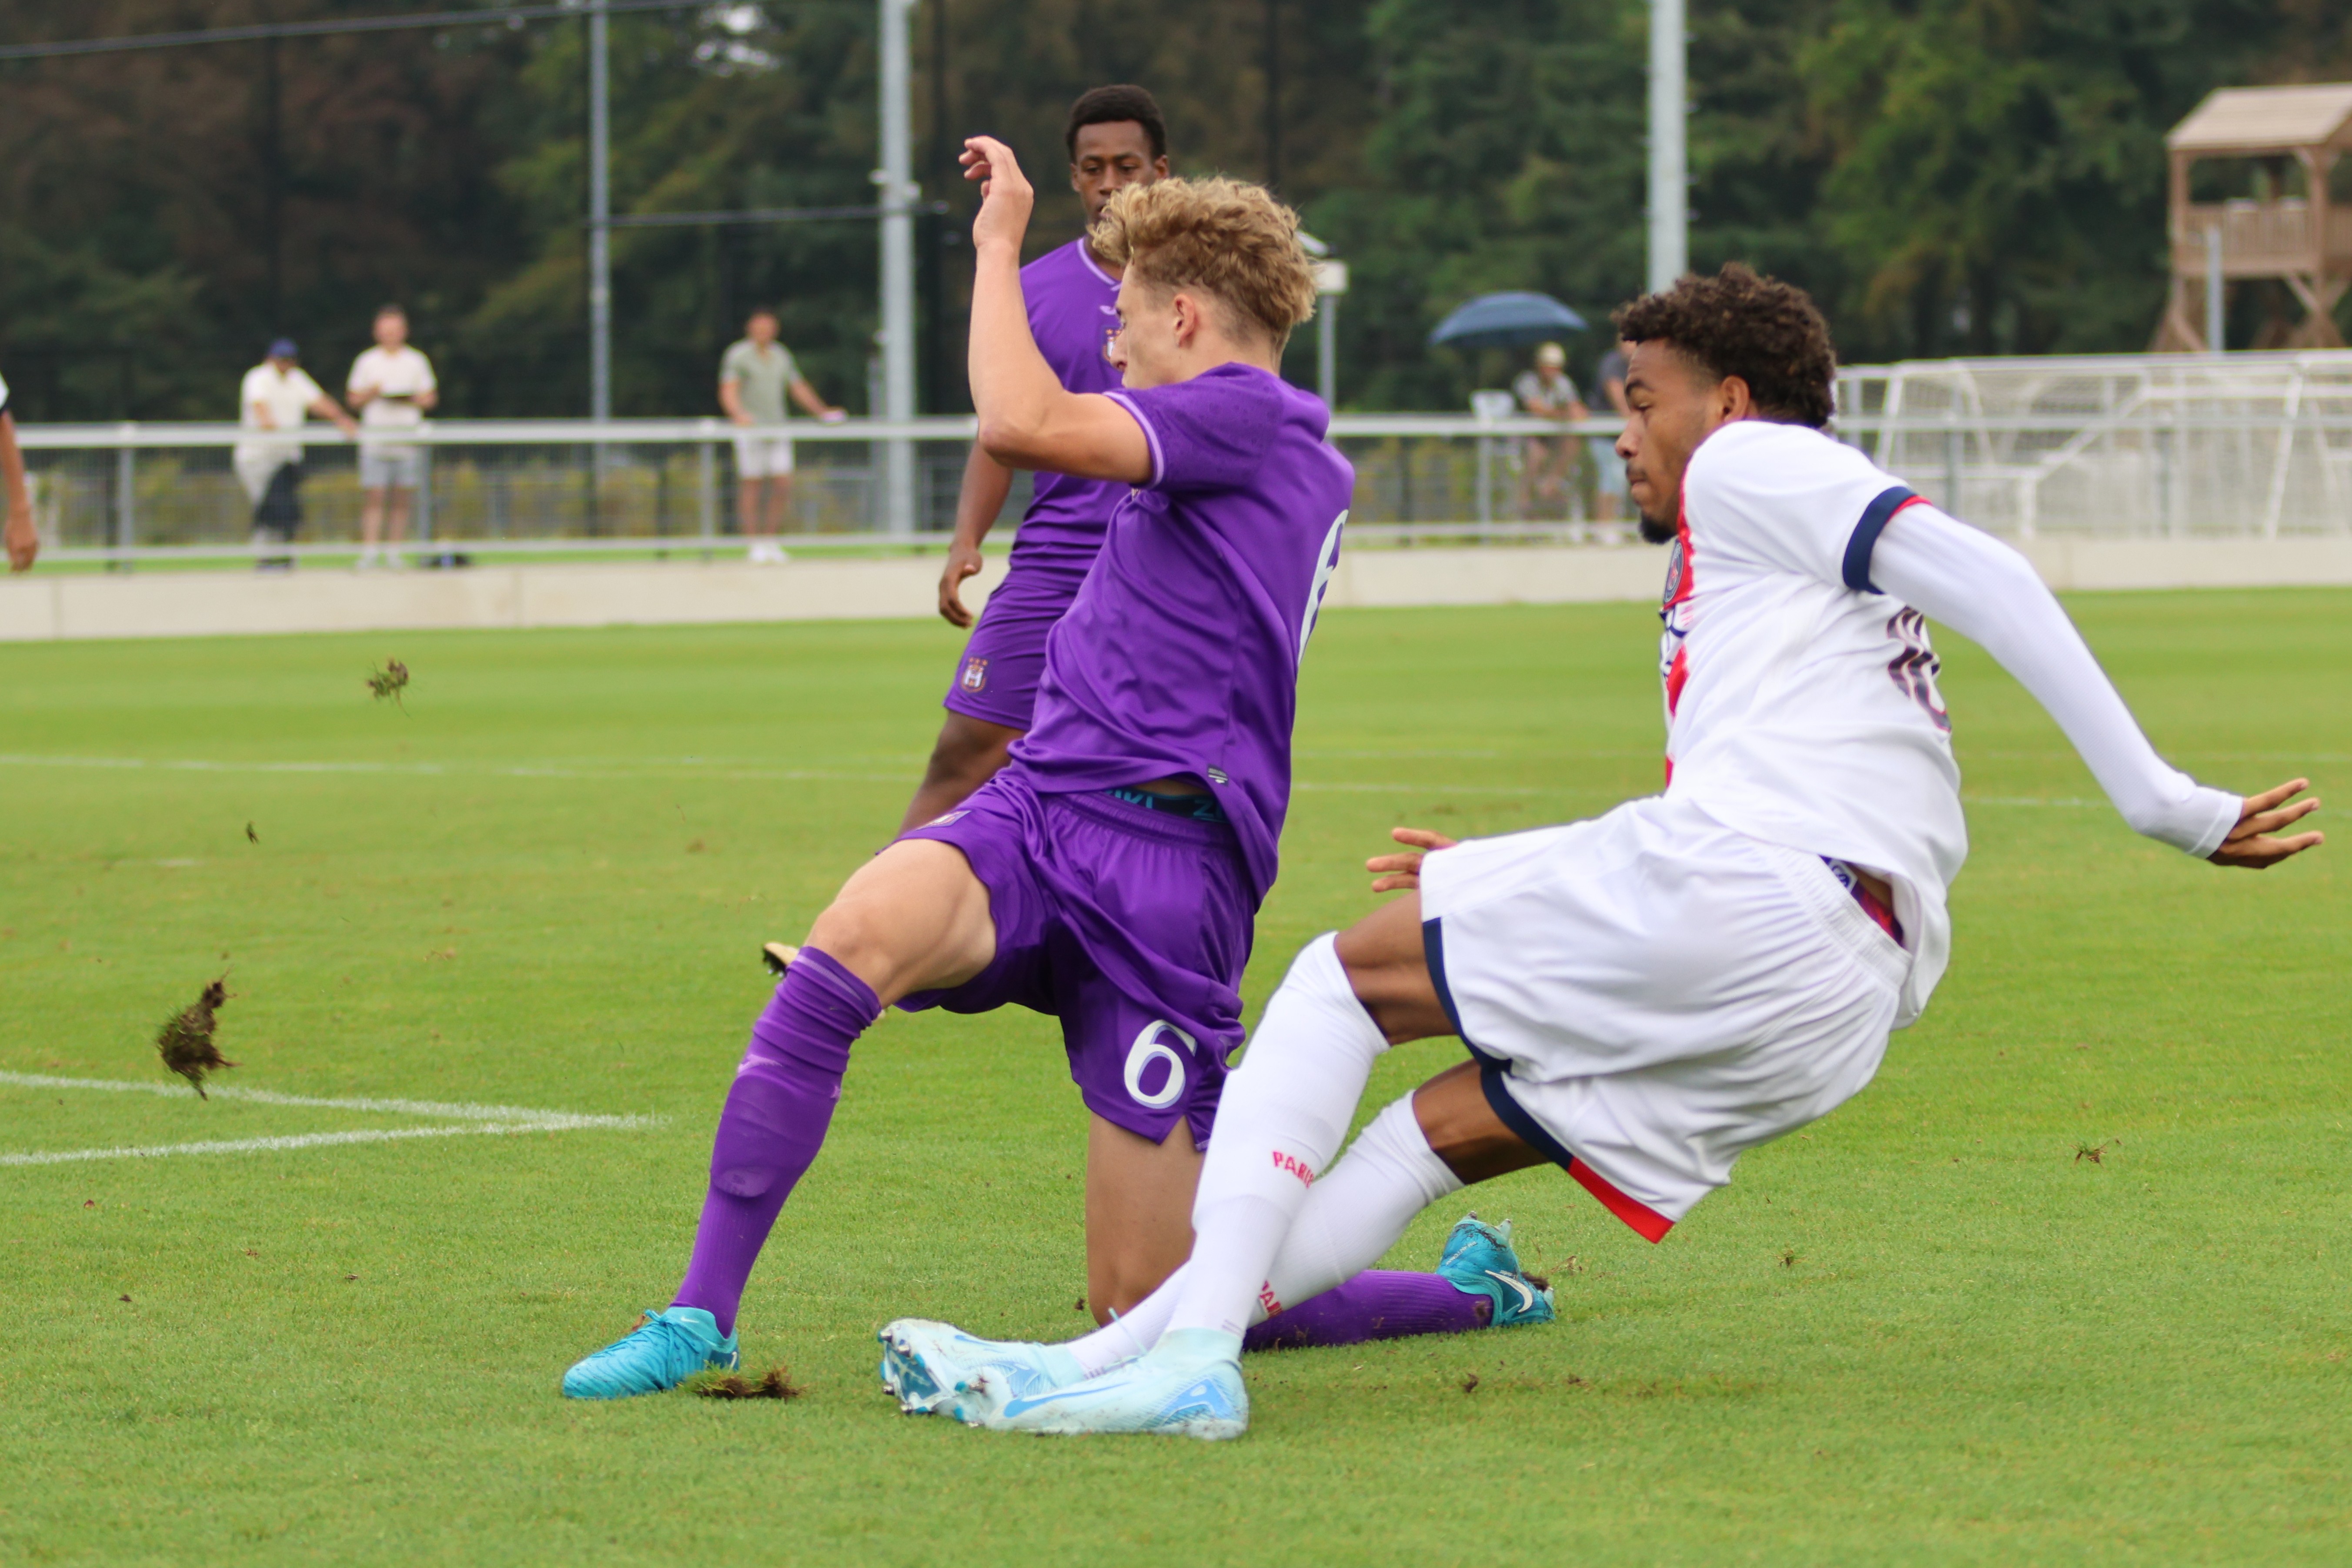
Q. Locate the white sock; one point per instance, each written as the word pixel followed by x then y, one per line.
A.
pixel 1352 1216
pixel 1283 1117
pixel 1131 1332
pixel 1350 1220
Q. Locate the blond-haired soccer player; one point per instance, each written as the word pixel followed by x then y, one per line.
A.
pixel 1111 874
pixel 1650 994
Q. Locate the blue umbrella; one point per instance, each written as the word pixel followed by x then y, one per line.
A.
pixel 1512 320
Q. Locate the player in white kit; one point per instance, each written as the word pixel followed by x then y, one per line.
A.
pixel 1648 994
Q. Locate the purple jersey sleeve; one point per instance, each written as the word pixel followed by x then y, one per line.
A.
pixel 1211 433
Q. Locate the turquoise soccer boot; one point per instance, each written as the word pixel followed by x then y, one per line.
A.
pixel 667 1349
pixel 1478 1257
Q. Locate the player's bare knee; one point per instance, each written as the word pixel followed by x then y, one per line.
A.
pixel 1389 972
pixel 855 935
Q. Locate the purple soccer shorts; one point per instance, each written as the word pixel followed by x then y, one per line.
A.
pixel 997 677
pixel 1130 925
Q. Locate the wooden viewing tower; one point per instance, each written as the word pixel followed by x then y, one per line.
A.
pixel 2305 241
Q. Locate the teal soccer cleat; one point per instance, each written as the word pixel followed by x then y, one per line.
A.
pixel 667 1350
pixel 926 1365
pixel 1478 1258
pixel 1189 1385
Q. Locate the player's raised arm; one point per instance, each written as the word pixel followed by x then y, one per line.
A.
pixel 1027 418
pixel 1990 593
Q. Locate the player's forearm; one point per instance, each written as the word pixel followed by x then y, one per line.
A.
pixel 1990 594
pixel 11 470
pixel 986 483
pixel 806 395
pixel 1013 388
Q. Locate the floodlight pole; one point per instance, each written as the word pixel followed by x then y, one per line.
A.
pixel 600 213
pixel 1669 171
pixel 900 193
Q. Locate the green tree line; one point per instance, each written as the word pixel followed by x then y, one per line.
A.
pixel 1980 176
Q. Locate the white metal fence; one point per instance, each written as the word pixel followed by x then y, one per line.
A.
pixel 2128 445
pixel 121 494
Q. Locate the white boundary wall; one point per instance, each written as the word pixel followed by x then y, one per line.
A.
pixel 210 604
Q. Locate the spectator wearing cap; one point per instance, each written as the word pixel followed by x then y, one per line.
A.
pixel 276 396
pixel 1546 393
pixel 393 387
pixel 23 541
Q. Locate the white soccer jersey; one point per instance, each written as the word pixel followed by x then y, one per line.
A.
pixel 1801 707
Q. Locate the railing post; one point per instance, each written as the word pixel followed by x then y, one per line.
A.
pixel 425 495
pixel 1952 439
pixel 126 502
pixel 706 492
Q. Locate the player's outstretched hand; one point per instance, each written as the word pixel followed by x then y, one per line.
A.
pixel 1396 873
pixel 964 560
pixel 2254 843
pixel 1005 197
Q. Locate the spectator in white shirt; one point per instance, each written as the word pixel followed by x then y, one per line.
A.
pixel 393 387
pixel 23 542
pixel 275 395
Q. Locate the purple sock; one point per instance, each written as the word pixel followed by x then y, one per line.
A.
pixel 1378 1304
pixel 774 1119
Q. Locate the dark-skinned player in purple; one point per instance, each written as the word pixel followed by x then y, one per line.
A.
pixel 1110 873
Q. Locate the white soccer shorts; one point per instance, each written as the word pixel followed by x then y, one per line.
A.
pixel 1653 995
pixel 762 457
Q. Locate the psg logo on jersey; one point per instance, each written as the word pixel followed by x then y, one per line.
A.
pixel 1677 568
pixel 975 675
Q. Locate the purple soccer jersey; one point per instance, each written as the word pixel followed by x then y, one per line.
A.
pixel 1072 311
pixel 1179 656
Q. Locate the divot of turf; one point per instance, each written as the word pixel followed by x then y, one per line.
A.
pixel 185 1043
pixel 777 1385
pixel 390 681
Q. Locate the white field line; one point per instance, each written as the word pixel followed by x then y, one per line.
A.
pixel 458 1109
pixel 473 1118
pixel 444 769
pixel 297 1141
pixel 514 771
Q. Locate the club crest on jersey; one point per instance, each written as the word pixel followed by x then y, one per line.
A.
pixel 1677 569
pixel 1111 336
pixel 975 675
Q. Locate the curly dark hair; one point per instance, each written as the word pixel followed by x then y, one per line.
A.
pixel 1765 331
pixel 1109 106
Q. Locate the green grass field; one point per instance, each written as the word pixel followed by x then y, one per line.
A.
pixel 1927 1331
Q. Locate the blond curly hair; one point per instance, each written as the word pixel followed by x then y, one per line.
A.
pixel 1224 237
